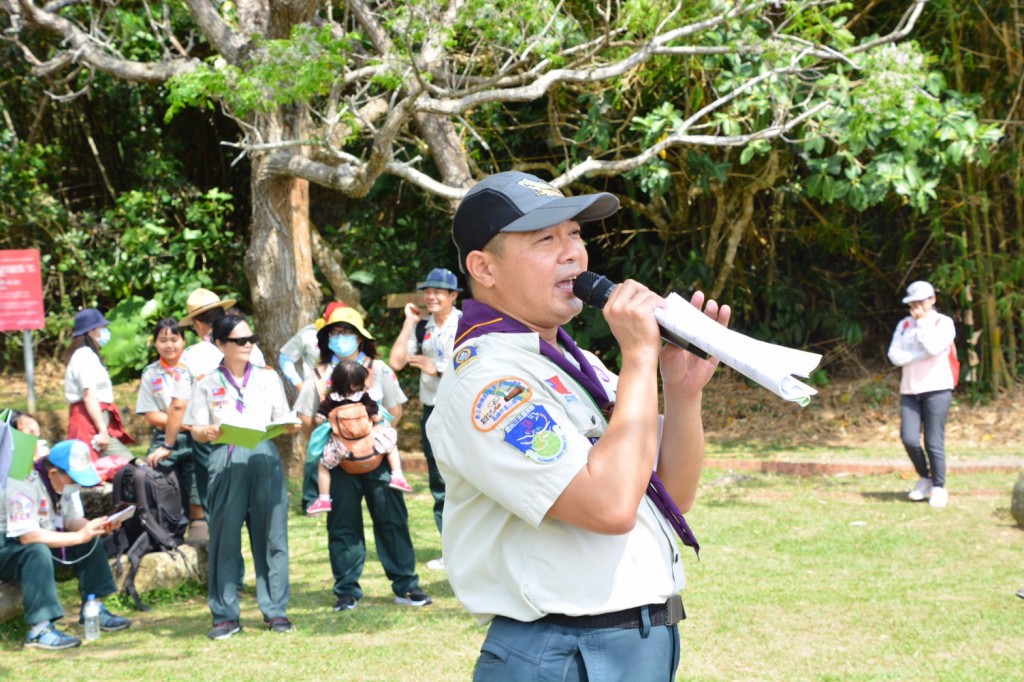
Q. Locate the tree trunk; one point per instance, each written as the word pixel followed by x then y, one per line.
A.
pixel 285 294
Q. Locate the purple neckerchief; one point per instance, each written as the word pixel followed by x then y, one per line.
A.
pixel 239 405
pixel 479 319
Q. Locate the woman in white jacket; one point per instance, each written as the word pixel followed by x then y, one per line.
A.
pixel 921 346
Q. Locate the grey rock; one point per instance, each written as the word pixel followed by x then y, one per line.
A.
pixel 1017 501
pixel 10 601
pixel 166 569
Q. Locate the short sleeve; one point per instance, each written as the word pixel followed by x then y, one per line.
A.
pixel 393 394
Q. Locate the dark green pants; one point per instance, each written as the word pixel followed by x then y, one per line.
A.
pixel 434 480
pixel 247 486
pixel 200 490
pixel 31 565
pixel 180 462
pixel 346 541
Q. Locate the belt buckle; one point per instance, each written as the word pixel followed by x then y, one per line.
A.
pixel 675 611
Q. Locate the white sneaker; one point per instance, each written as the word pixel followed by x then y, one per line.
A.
pixel 436 564
pixel 922 490
pixel 939 497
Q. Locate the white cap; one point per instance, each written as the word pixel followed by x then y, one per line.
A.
pixel 918 291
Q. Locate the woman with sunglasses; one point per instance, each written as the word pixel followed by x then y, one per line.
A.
pixel 341 336
pixel 246 485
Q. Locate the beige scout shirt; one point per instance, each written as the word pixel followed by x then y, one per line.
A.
pixel 438 345
pixel 158 385
pixel 27 507
pixel 86 370
pixel 263 398
pixel 510 431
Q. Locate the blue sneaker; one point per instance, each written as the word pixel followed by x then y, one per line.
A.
pixel 108 621
pixel 53 639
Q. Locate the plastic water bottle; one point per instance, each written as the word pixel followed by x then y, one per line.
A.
pixel 91 614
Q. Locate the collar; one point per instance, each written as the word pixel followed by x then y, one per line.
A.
pixel 479 319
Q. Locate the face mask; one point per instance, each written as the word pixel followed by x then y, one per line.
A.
pixel 70 488
pixel 343 345
pixel 103 338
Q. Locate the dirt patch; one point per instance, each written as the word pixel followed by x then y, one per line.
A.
pixel 848 413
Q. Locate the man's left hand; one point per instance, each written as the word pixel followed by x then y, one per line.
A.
pixel 424 364
pixel 683 371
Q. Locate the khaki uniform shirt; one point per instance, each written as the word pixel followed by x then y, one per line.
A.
pixel 510 431
pixel 438 345
pixel 27 507
pixel 213 396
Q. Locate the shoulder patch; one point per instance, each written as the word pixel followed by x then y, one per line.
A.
pixel 497 400
pixel 466 355
pixel 20 508
pixel 535 434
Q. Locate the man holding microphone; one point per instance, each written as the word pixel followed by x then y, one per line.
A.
pixel 549 534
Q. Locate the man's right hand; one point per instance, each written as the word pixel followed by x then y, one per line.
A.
pixel 630 316
pixel 413 312
pixel 100 441
pixel 161 453
pixel 94 528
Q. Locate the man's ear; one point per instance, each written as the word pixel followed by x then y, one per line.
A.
pixel 478 266
pixel 55 480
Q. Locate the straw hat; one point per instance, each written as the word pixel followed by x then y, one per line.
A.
pixel 339 312
pixel 201 300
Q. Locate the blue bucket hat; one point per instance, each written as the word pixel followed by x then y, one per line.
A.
pixel 73 457
pixel 440 278
pixel 87 320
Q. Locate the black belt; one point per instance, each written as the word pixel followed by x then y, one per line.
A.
pixel 669 613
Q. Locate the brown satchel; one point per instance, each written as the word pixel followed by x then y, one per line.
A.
pixel 351 423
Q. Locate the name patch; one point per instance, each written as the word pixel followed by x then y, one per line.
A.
pixel 535 434
pixel 499 399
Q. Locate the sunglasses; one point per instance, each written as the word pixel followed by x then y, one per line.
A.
pixel 244 340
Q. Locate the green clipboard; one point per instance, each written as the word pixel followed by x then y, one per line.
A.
pixel 24 450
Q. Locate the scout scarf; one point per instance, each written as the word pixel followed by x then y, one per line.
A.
pixel 240 390
pixel 479 319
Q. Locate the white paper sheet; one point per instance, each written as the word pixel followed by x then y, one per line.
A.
pixel 770 365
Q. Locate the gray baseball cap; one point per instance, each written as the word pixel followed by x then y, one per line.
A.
pixel 519 202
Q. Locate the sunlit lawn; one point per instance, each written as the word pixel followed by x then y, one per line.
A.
pixel 815 579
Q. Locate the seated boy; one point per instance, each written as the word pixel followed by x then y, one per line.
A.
pixel 39 528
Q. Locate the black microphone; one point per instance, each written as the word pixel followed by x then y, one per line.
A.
pixel 594 289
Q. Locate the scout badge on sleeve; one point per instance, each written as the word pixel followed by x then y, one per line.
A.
pixel 497 400
pixel 535 434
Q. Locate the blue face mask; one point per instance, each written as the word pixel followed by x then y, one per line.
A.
pixel 343 345
pixel 104 337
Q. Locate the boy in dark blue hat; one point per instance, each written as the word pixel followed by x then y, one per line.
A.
pixel 426 342
pixel 38 529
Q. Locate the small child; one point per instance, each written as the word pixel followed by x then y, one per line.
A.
pixel 26 423
pixel 348 387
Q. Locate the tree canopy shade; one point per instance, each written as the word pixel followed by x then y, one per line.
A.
pixel 716 122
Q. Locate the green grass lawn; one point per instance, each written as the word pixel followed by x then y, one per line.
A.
pixel 799 579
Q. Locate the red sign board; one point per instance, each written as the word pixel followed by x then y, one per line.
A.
pixel 21 291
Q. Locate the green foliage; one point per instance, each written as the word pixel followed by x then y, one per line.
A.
pixel 276 73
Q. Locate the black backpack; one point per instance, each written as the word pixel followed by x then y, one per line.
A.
pixel 159 523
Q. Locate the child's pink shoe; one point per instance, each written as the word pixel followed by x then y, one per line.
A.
pixel 398 482
pixel 319 507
